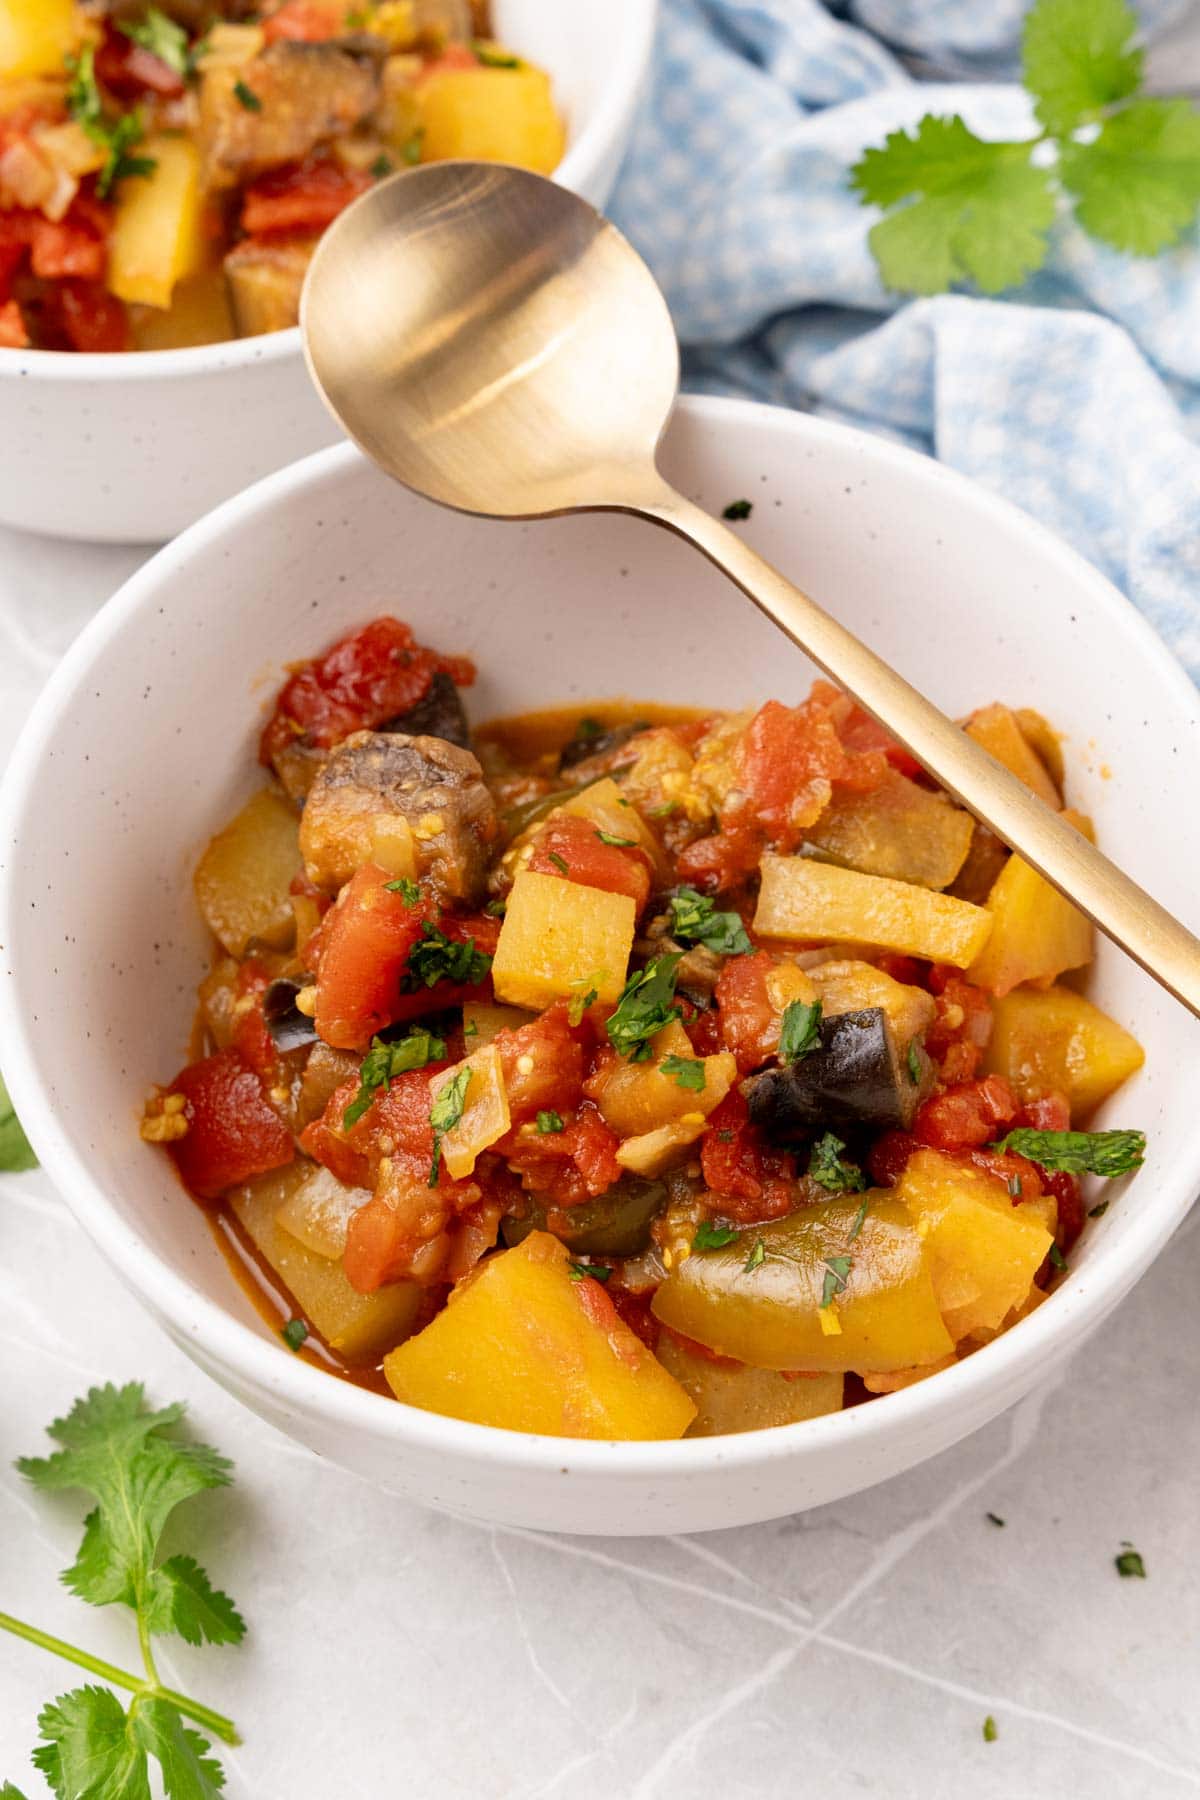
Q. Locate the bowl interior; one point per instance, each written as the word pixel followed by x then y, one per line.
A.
pixel 146 739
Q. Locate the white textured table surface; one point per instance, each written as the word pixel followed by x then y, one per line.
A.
pixel 853 1650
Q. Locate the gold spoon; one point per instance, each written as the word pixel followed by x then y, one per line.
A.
pixel 492 342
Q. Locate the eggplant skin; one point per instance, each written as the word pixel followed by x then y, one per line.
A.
pixel 616 1223
pixel 438 714
pixel 856 1077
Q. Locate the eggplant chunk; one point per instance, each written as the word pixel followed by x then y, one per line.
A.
pixel 386 788
pixel 858 1076
pixel 439 713
pixel 263 278
pixel 586 744
pixel 616 1223
pixel 307 94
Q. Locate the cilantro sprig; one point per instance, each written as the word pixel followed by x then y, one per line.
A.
pixel 163 38
pixel 645 1006
pixel 445 1113
pixel 383 1062
pixel 695 920
pixel 115 135
pixel 437 957
pixel 800 1030
pixel 138 1470
pixel 960 208
pixel 1107 1153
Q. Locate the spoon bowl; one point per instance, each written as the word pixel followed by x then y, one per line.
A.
pixel 491 340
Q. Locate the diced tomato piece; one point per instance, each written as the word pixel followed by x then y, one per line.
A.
pixel 543 1064
pixel 754 1182
pixel 703 1029
pixel 863 736
pixel 749 1017
pixel 365 942
pixel 1067 1191
pixel 1052 1112
pixel 366 679
pixel 570 1166
pixel 69 246
pixel 346 1154
pixel 962 1025
pixel 785 763
pixel 723 860
pixel 305 21
pixel 634 1311
pixel 378 1249
pixel 904 969
pixel 92 319
pixel 251 1039
pixel 574 849
pixel 233 1132
pixel 969 1115
pixel 888 1157
pixel 130 71
pixel 1022 1178
pixel 13 335
pixel 306 197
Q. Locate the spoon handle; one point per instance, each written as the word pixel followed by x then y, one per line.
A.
pixel 1123 910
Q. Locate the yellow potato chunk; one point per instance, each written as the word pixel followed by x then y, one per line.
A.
pixel 491 115
pixel 481 1021
pixel 243 878
pixel 522 1346
pixel 485 1114
pixel 984 1250
pixel 732 1396
pixel 358 1326
pixel 997 729
pixel 1037 934
pixel 318 1211
pixel 156 237
pixel 899 829
pixel 640 1096
pixel 603 805
pixel 35 36
pixel 1057 1040
pixel 654 1152
pixel 198 314
pixel 804 899
pixel 560 938
pixel 858 986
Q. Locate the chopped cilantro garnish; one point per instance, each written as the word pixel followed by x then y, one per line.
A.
pixel 1056 1257
pixel 618 843
pixel 410 150
pixel 1129 1562
pixel 445 1113
pixel 837 1268
pixel 549 1122
pixel 738 509
pixel 800 1030
pixel 694 920
pixel 990 1733
pixel 246 96
pixel 713 1237
pixel 578 1004
pixel 756 1258
pixel 914 1062
pixel 163 38
pixel 994 1518
pixel 408 890
pixel 440 958
pixel 491 58
pixel 664 811
pixel 687 1070
pixel 496 909
pixel 645 1006
pixel 560 862
pixel 1108 1153
pixel 115 136
pixel 581 1271
pixel 1098 1211
pixel 383 1062
pixel 383 165
pixel 825 1166
pixel 294 1333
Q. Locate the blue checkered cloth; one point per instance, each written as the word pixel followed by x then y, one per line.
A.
pixel 1078 397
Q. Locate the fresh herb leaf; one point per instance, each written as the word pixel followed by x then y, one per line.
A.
pixel 994 1518
pixel 1098 1211
pixel 645 1006
pixel 15 1151
pixel 445 1113
pixel 724 1136
pixel 695 920
pixel 913 1060
pixel 588 730
pixel 383 165
pixel 550 1123
pixel 246 96
pixel 294 1333
pixel 738 509
pixel 408 890
pixel 115 136
pixel 560 862
pixel 1107 1153
pixel 470 1028
pixel 163 38
pixel 618 843
pixel 1137 185
pixel 687 1070
pixel 491 58
pixel 91 1746
pixel 990 1732
pixel 664 812
pixel 756 1258
pixel 1078 59
pixel 410 150
pixel 1129 1562
pixel 580 1271
pixel 188 1772
pixel 825 1166
pixel 84 101
pixel 713 1237
pixel 439 958
pixel 496 909
pixel 383 1062
pixel 1056 1257
pixel 800 1030
pixel 837 1274
pixel 578 1004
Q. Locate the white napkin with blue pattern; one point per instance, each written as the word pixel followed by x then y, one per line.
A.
pixel 1078 397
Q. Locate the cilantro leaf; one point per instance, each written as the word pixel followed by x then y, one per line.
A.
pixel 118 1452
pixel 550 1123
pixel 115 136
pixel 91 1750
pixel 756 1258
pixel 492 58
pixel 687 1070
pixel 738 509
pixel 837 1274
pixel 15 1151
pixel 695 920
pixel 188 1771
pixel 578 1004
pixel 645 1007
pixel 1107 1153
pixel 710 1236
pixel 183 1600
pixel 246 96
pixel 445 1113
pixel 619 843
pixel 800 1030
pixel 1078 58
pixel 1137 186
pixel 383 1062
pixel 163 38
pixel 9 1792
pixel 825 1166
pixel 1130 1562
pixel 440 958
pixel 976 210
pixel 408 890
pixel 580 1271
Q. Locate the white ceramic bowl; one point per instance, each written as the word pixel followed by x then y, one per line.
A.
pixel 130 449
pixel 144 742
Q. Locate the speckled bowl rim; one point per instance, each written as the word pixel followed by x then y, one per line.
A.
pixel 576 171
pixel 994 1375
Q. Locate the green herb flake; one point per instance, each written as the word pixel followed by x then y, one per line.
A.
pixel 294 1333
pixel 578 1004
pixel 710 1236
pixel 645 1006
pixel 496 909
pixel 550 1123
pixel 560 862
pixel 1057 1258
pixel 618 843
pixel 664 811
pixel 491 58
pixel 581 1271
pixel 990 1732
pixel 800 1030
pixel 826 1167
pixel 1129 1562
pixel 383 1062
pixel 115 136
pixel 438 958
pixel 738 509
pixel 588 730
pixel 1098 1211
pixel 383 165
pixel 445 1113
pixel 837 1274
pixel 1107 1153
pixel 410 150
pixel 408 890
pixel 687 1070
pixel 913 1061
pixel 695 920
pixel 246 96
pixel 163 38
pixel 16 1153
pixel 994 1519
pixel 756 1258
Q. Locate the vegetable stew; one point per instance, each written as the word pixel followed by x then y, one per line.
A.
pixel 639 1074
pixel 166 170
